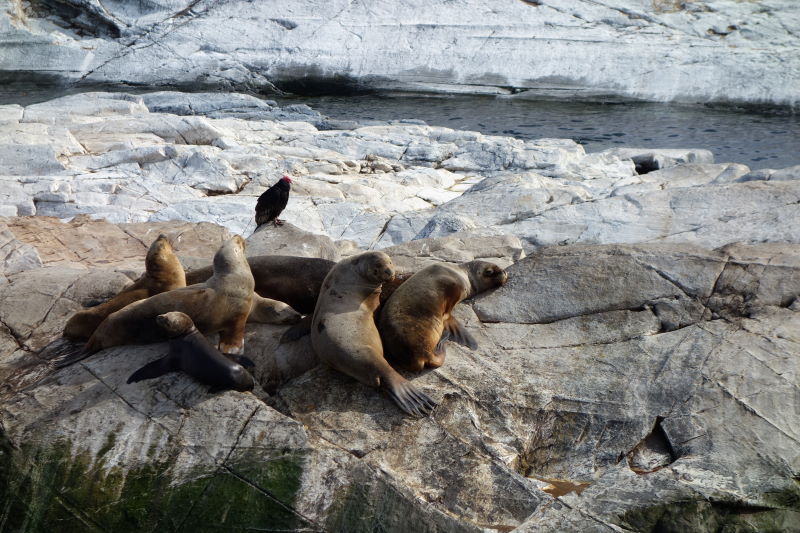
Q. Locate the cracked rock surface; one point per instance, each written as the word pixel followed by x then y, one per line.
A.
pixel 615 388
pixel 659 50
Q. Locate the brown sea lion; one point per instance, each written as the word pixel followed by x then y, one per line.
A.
pixel 190 352
pixel 417 320
pixel 286 278
pixel 303 327
pixel 163 272
pixel 221 304
pixel 343 331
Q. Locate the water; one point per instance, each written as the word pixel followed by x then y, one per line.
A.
pixel 766 138
pixel 759 138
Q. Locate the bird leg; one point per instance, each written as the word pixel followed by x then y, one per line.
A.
pixel 278 222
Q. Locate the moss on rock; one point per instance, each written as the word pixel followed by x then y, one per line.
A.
pixel 63 488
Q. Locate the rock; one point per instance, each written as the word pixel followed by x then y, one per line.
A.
pixel 617 278
pixel 28 160
pixel 767 174
pixel 290 240
pixel 709 216
pixel 16 256
pixel 606 393
pixel 647 160
pixel 444 224
pixel 457 248
pixel 698 52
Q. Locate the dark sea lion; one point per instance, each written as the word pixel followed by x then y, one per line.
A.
pixel 343 331
pixel 190 352
pixel 286 278
pixel 163 272
pixel 221 304
pixel 417 320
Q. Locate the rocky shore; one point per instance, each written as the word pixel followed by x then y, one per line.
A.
pixel 639 371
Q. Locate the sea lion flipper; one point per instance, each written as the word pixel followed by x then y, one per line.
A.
pixel 154 369
pixel 455 332
pixel 410 399
pixel 79 353
pixel 241 360
pixel 298 331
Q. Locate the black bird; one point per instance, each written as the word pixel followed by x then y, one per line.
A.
pixel 272 202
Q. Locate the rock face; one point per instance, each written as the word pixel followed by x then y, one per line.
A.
pixel 638 372
pixel 699 51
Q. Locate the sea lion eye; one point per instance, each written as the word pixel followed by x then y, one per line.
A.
pixel 488 272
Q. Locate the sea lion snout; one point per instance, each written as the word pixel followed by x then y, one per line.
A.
pixel 502 277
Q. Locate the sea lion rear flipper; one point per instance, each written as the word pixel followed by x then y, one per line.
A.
pixel 455 332
pixel 157 368
pixel 71 355
pixel 410 399
pixel 37 373
pixel 298 331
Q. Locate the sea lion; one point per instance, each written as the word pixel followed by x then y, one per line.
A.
pixel 190 352
pixel 343 331
pixel 417 320
pixel 286 278
pixel 163 272
pixel 221 304
pixel 303 327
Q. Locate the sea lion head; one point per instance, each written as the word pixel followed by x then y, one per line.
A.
pixel 160 252
pixel 230 255
pixel 484 275
pixel 376 267
pixel 175 323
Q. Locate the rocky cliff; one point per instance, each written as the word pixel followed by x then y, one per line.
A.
pixel 638 372
pixel 661 50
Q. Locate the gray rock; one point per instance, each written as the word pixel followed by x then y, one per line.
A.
pixel 28 160
pixel 444 224
pixel 767 174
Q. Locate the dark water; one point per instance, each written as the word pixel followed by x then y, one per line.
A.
pixel 759 138
pixel 767 138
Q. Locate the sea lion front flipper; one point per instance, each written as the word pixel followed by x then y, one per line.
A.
pixel 455 332
pixel 298 331
pixel 157 368
pixel 231 339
